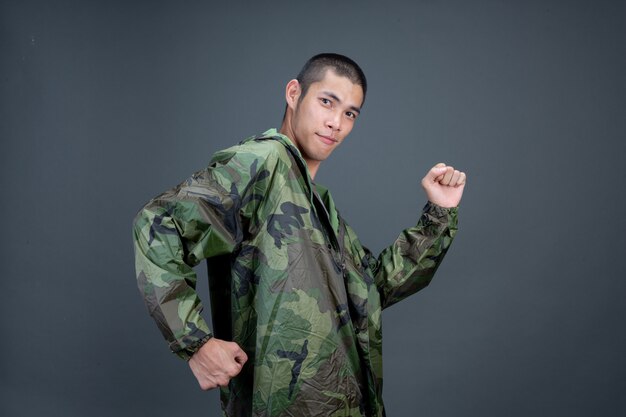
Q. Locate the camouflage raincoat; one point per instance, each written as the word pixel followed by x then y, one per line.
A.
pixel 289 280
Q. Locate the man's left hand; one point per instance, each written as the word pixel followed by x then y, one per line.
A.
pixel 444 185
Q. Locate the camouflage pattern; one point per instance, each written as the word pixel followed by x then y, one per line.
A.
pixel 289 280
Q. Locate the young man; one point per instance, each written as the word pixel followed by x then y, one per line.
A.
pixel 296 299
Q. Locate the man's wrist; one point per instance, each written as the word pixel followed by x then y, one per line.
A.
pixel 439 210
pixel 187 352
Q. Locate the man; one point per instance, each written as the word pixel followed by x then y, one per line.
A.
pixel 296 299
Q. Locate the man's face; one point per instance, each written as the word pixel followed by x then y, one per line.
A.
pixel 325 116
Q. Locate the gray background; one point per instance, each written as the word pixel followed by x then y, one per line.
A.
pixel 106 104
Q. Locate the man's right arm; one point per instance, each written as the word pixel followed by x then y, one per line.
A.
pixel 172 233
pixel 204 217
pixel 201 218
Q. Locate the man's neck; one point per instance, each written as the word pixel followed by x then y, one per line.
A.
pixel 312 165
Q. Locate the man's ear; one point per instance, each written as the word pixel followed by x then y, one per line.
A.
pixel 292 93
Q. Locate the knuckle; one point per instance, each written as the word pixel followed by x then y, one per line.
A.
pixel 205 386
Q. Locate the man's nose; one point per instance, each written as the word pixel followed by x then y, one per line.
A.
pixel 334 121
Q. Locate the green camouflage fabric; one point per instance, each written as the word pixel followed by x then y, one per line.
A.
pixel 289 280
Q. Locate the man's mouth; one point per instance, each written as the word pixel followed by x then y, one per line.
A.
pixel 329 140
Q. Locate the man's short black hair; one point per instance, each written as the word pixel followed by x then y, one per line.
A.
pixel 315 69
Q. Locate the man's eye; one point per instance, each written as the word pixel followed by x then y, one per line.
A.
pixel 351 115
pixel 325 101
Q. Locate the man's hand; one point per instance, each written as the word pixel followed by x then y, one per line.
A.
pixel 444 185
pixel 216 362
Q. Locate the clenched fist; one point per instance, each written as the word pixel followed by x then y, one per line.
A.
pixel 216 362
pixel 444 185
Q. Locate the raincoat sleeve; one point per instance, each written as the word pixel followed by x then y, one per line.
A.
pixel 201 218
pixel 409 264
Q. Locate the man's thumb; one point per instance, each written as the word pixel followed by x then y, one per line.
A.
pixel 438 170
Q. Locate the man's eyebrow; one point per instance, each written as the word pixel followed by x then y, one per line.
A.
pixel 334 97
pixel 355 109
